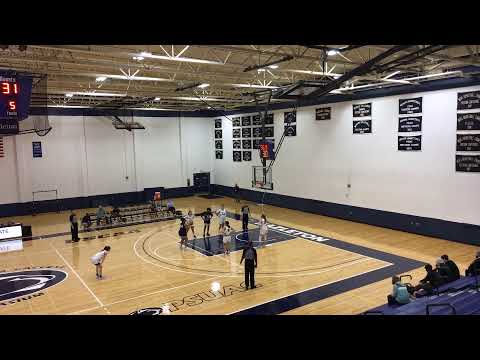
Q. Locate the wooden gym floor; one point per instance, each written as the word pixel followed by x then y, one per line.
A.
pixel 146 268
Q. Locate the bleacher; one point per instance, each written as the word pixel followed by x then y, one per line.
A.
pixel 135 214
pixel 460 297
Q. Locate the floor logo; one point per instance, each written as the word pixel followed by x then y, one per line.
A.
pixel 194 300
pixel 22 284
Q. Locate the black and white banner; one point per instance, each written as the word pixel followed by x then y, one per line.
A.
pixel 468 163
pixel 219 154
pixel 246 144
pixel 324 113
pixel 218 134
pixel 290 117
pixel 468 100
pixel 362 126
pixel 247 156
pixel 256 143
pixel 218 123
pixel 468 142
pixel 257 132
pixel 410 124
pixel 269 131
pixel 269 119
pixel 256 120
pixel 362 110
pixel 410 143
pixel 236 122
pixel 410 106
pixel 470 121
pixel 237 144
pixel 237 156
pixel 236 133
pixel 246 132
pixel 291 130
pixel 246 121
pixel 218 144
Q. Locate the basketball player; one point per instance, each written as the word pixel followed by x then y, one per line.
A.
pixel 227 238
pixel 98 260
pixel 189 222
pixel 222 214
pixel 245 214
pixel 182 232
pixel 207 217
pixel 74 227
pixel 263 230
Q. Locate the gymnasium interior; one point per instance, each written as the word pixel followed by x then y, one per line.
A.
pixel 363 159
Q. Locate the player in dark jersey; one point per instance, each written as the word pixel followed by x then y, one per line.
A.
pixel 182 232
pixel 207 217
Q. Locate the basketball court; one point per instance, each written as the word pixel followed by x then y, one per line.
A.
pixel 339 224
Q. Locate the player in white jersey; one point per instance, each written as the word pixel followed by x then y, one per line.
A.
pixel 263 230
pixel 227 238
pixel 189 223
pixel 98 260
pixel 222 215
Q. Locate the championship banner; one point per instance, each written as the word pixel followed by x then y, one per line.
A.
pixel 362 110
pixel 219 154
pixel 218 134
pixel 218 123
pixel 236 122
pixel 468 100
pixel 362 126
pixel 468 142
pixel 468 163
pixel 246 121
pixel 247 156
pixel 410 124
pixel 410 106
pixel 323 113
pixel 470 121
pixel 237 156
pixel 410 143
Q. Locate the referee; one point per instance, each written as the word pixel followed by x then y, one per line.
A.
pixel 250 256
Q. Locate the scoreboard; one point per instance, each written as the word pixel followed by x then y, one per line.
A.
pixel 266 150
pixel 15 94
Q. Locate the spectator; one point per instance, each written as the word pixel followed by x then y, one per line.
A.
pixel 86 222
pixel 101 215
pixel 170 207
pixel 429 282
pixel 115 213
pixel 400 295
pixel 443 270
pixel 474 268
pixel 455 273
pixel 236 190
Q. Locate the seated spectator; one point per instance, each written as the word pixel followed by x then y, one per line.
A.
pixel 153 210
pixel 400 295
pixel 443 270
pixel 170 207
pixel 455 273
pixel 474 268
pixel 101 215
pixel 115 213
pixel 86 222
pixel 429 282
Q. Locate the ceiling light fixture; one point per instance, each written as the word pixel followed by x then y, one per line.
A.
pixel 332 52
pixel 157 99
pixel 181 59
pixel 139 58
pixel 132 77
pixel 86 93
pixel 273 66
pixel 255 86
pixel 101 78
pixel 69 95
pixel 203 86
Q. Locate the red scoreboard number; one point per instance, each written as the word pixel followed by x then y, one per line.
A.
pixel 264 151
pixel 10 89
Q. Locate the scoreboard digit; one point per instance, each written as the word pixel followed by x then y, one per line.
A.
pixel 15 93
pixel 266 150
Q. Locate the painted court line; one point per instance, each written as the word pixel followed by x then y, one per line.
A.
pixel 79 278
pixel 314 287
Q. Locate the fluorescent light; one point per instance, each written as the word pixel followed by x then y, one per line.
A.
pixel 261 70
pixel 181 59
pixel 203 86
pixel 69 95
pixel 433 75
pixel 139 58
pixel 332 52
pixel 157 99
pixel 255 86
pixel 316 73
pixel 134 78
pixel 69 106
pixel 273 66
pixel 101 78
pixel 86 93
pixel 198 99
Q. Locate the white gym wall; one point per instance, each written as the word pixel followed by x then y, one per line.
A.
pixel 325 156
